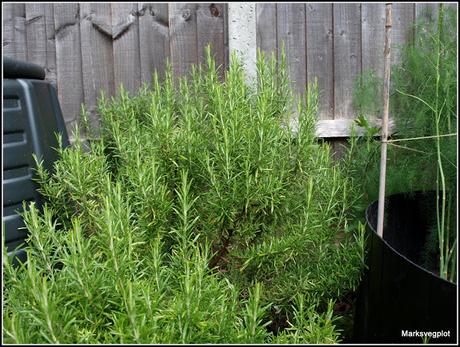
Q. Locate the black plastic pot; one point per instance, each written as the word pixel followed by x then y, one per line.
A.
pixel 31 117
pixel 400 297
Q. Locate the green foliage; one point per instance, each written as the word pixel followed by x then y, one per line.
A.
pixel 197 210
pixel 423 101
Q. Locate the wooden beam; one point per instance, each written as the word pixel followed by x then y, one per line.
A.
pixel 341 128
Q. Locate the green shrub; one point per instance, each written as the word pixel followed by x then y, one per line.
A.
pixel 197 211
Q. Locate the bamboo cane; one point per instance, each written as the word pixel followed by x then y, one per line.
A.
pixel 386 104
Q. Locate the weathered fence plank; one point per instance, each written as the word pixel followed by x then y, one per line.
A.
pixel 426 10
pixel 320 55
pixel 68 61
pixel 50 66
pixel 9 49
pixel 14 31
pixel 266 24
pixel 126 55
pixel 183 37
pixel 154 39
pixel 97 54
pixel 210 30
pixel 402 31
pixel 373 36
pixel 36 33
pixel 347 56
pixel 291 32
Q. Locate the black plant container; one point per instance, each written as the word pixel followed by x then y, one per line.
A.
pixel 400 297
pixel 31 118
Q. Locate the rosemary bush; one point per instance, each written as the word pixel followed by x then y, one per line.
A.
pixel 197 214
pixel 423 105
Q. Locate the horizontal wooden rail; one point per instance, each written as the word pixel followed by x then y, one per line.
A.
pixel 336 128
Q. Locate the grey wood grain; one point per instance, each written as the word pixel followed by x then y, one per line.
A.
pixel 291 31
pixel 210 30
pixel 50 66
pixel 373 37
pixel 373 44
pixel 266 28
pixel 36 33
pixel 320 55
pixel 347 56
pixel 14 31
pixel 426 10
pixel 68 61
pixel 126 52
pixel 402 31
pixel 97 56
pixel 183 37
pixel 226 43
pixel 154 39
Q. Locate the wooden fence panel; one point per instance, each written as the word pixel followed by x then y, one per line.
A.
pixel 36 33
pixel 68 61
pixel 291 32
pixel 97 55
pixel 50 67
pixel 154 39
pixel 210 30
pixel 89 47
pixel 402 31
pixel 183 37
pixel 320 55
pixel 126 55
pixel 347 56
pixel 373 36
pixel 266 21
pixel 14 31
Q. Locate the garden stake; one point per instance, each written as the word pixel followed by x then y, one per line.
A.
pixel 386 101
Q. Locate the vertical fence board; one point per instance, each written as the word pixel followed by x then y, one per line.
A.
pixel 266 28
pixel 8 43
pixel 36 33
pixel 426 10
pixel 320 55
pixel 210 30
pixel 68 61
pixel 97 55
pixel 41 48
pixel 126 55
pixel 291 31
pixel 347 56
pixel 373 37
pixel 402 31
pixel 226 45
pixel 50 65
pixel 183 37
pixel 14 31
pixel 154 39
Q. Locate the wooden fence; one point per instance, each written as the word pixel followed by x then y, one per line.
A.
pixel 89 47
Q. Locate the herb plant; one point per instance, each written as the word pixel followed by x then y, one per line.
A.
pixel 197 216
pixel 422 151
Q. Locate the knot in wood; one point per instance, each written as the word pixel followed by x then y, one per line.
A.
pixel 186 14
pixel 214 10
